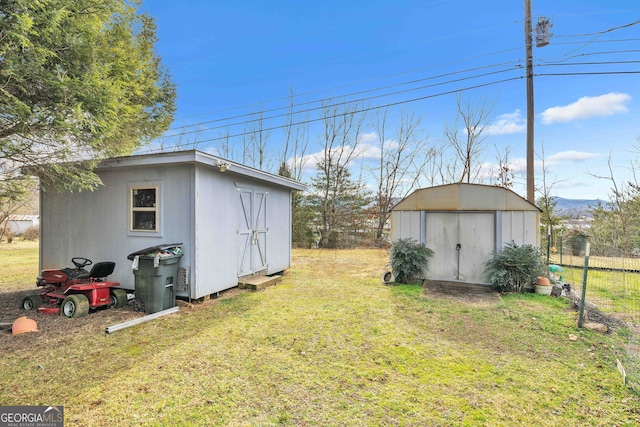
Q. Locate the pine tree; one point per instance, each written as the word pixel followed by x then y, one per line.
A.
pixel 338 203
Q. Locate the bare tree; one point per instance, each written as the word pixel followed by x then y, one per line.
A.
pixel 333 185
pixel 255 143
pixel 435 171
pixel 622 217
pixel 225 146
pixel 504 174
pixel 546 200
pixel 402 158
pixel 296 144
pixel 471 120
pixel 16 193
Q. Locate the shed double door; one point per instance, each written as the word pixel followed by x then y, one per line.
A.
pixel 462 242
pixel 252 231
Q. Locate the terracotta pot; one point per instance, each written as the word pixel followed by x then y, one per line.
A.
pixel 24 324
pixel 542 281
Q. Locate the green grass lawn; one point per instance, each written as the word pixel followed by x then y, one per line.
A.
pixel 329 346
pixel 614 292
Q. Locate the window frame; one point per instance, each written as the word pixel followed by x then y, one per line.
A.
pixel 155 209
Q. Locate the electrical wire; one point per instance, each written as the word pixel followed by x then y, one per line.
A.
pixel 253 114
pixel 335 104
pixel 391 104
pixel 593 54
pixel 291 112
pixel 356 111
pixel 560 64
pixel 403 46
pixel 589 73
pixel 631 24
pixel 331 88
pixel 345 95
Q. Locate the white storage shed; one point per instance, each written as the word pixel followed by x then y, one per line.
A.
pixel 233 220
pixel 463 224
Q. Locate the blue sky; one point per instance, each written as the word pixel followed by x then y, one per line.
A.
pixel 231 58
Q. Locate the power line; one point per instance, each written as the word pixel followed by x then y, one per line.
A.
pixel 611 52
pixel 589 73
pixel 331 88
pixel 335 104
pixel 344 95
pixel 600 41
pixel 354 101
pixel 560 64
pixel 602 32
pixel 274 100
pixel 362 110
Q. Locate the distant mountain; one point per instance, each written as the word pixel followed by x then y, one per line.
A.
pixel 577 207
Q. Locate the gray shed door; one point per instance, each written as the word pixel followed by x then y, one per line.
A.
pixel 462 242
pixel 252 231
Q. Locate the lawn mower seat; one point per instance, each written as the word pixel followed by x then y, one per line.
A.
pixel 99 270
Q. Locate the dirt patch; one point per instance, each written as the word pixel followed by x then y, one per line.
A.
pixel 53 328
pixel 469 293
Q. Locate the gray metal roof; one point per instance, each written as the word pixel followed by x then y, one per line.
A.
pixel 201 158
pixel 464 197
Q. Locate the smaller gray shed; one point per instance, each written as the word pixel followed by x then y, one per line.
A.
pixel 233 220
pixel 463 224
pixel 18 224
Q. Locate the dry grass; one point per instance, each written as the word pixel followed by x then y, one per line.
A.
pixel 19 265
pixel 330 345
pixel 598 262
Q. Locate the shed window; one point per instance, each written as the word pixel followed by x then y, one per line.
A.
pixel 144 209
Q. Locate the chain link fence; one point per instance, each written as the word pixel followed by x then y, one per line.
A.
pixel 612 289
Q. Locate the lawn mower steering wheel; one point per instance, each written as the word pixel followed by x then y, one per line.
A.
pixel 80 262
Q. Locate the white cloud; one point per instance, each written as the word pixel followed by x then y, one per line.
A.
pixel 506 124
pixel 365 151
pixel 571 156
pixel 369 138
pixel 586 107
pixel 368 151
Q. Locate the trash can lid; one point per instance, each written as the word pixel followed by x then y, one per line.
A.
pixel 152 249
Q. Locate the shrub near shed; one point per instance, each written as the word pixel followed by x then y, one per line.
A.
pixel 513 267
pixel 409 260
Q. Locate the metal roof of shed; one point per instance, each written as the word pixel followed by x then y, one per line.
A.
pixel 201 158
pixel 23 217
pixel 464 197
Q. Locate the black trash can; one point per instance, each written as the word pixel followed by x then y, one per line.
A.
pixel 156 273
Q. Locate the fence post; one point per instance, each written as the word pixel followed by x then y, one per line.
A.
pixel 584 284
pixel 548 249
pixel 561 243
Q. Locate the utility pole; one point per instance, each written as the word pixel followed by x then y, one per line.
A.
pixel 528 41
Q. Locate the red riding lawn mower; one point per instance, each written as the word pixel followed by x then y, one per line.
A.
pixel 73 291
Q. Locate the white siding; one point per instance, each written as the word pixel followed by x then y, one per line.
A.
pixel 218 222
pixel 198 207
pixel 405 225
pixel 95 224
pixel 519 227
